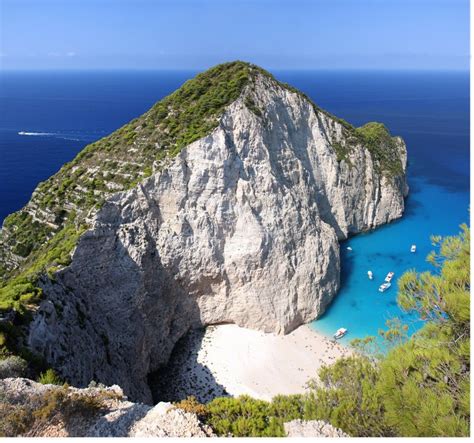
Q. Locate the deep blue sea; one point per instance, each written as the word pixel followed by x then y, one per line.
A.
pixel 64 111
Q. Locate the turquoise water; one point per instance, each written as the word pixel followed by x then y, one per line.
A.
pixel 359 306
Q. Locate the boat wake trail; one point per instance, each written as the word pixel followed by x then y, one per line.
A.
pixel 38 134
pixel 73 135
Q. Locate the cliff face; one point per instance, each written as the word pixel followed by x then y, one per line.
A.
pixel 241 226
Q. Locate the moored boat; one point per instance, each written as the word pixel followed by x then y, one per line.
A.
pixel 413 248
pixel 384 286
pixel 370 274
pixel 340 333
pixel 389 277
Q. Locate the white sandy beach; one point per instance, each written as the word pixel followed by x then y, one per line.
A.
pixel 229 360
pixel 262 365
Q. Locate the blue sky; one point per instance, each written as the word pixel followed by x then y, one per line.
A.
pixel 194 34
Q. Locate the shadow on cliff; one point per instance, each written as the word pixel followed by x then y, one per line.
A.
pixel 184 375
pixel 117 423
pixel 121 309
pixel 347 265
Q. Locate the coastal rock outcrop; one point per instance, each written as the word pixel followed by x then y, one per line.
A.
pixel 241 226
pixel 30 409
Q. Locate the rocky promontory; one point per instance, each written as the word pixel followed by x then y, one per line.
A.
pixel 240 225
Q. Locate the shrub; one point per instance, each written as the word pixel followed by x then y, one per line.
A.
pixel 250 103
pixel 342 152
pixel 193 406
pixel 41 409
pixel 13 366
pixel 66 404
pixel 147 171
pixel 348 399
pixel 248 417
pixel 49 378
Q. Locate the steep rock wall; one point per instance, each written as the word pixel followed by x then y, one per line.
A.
pixel 242 226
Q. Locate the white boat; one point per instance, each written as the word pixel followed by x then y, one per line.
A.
pixel 349 248
pixel 370 274
pixel 340 333
pixel 413 248
pixel 384 286
pixel 389 277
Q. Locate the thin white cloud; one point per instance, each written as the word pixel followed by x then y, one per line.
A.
pixel 70 54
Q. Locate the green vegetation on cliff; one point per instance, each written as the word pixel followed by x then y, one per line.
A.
pixel 382 147
pixel 43 242
pixel 130 154
pixel 420 388
pixel 21 293
pixel 193 111
pixel 119 161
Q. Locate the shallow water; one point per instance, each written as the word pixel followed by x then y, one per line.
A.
pixel 359 306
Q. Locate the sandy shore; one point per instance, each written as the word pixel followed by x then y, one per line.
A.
pixel 229 360
pixel 264 365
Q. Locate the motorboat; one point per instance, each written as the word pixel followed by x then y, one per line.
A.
pixel 389 277
pixel 370 274
pixel 340 333
pixel 384 286
pixel 349 248
pixel 413 248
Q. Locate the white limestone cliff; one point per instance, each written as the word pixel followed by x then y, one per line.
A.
pixel 241 227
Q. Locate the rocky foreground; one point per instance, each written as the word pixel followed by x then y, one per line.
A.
pixel 31 409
